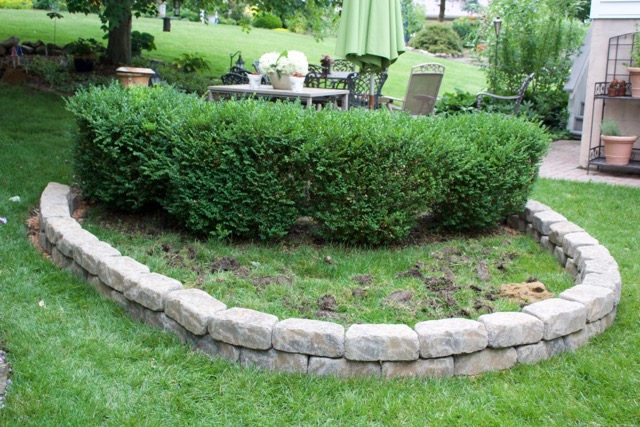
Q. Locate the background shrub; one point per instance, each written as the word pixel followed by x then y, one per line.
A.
pixel 371 180
pixel 121 155
pixel 467 28
pixel 267 20
pixel 238 171
pixel 437 38
pixel 488 165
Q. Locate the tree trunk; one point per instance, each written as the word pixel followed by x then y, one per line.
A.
pixel 443 5
pixel 119 45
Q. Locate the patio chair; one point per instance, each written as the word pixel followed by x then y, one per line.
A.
pixel 343 65
pixel 234 79
pixel 422 90
pixel 517 98
pixel 359 85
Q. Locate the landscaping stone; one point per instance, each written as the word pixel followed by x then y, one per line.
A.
pixel 439 338
pixel 56 227
pixel 113 270
pixel 54 202
pixel 517 223
pixel 584 253
pixel 375 342
pixel 533 233
pixel 560 317
pixel 77 270
pixel 343 368
pixel 433 368
pixel 560 255
pixel 546 244
pixel 150 289
pixel 192 308
pixel 99 286
pixel 543 350
pixel 595 328
pixel 312 337
pixel 511 329
pixel 73 238
pixel 243 327
pixel 274 360
pixel 608 320
pixel 532 207
pixel 598 300
pixel 576 340
pixel 600 265
pixel 573 241
pixel 89 254
pixel 490 359
pixel 161 321
pixel 558 230
pixel 610 280
pixel 59 259
pixel 214 348
pixel 570 268
pixel 542 221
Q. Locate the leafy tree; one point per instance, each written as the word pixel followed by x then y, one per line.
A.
pixel 413 17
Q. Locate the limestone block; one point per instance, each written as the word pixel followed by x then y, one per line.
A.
pixel 445 337
pixel 192 308
pixel 56 227
pixel 595 328
pixel 608 319
pixel 161 321
pixel 88 254
pixel 53 201
pixel 511 329
pixel 555 346
pixel 517 223
pixel 532 207
pixel 546 244
pixel 432 368
pixel 573 241
pixel 600 265
pixel 533 233
pixel 43 242
pixel 570 268
pixel 558 230
pixel 542 221
pixel 77 270
pixel 373 342
pixel 576 340
pixel 243 327
pixel 99 286
pixel 598 300
pixel 343 368
pixel 312 337
pixel 560 255
pixel 213 348
pixel 59 259
pixel 113 270
pixel 150 289
pixel 274 360
pixel 487 360
pixel 560 317
pixel 610 280
pixel 584 253
pixel 532 353
pixel 74 238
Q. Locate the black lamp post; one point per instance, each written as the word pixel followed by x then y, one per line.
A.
pixel 497 23
pixel 240 62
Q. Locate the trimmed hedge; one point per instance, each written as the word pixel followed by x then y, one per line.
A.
pixel 437 38
pixel 252 168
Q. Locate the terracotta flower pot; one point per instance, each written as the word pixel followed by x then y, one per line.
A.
pixel 617 149
pixel 634 79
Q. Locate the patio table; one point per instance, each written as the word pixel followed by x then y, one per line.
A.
pixel 307 95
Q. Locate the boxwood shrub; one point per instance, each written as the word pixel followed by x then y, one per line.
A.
pixel 251 168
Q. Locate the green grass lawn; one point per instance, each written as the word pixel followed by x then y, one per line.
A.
pixel 78 359
pixel 217 42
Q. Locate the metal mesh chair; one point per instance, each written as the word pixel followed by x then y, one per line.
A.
pixel 422 90
pixel 234 79
pixel 359 85
pixel 517 98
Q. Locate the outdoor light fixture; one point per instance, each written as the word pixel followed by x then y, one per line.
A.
pixel 496 25
pixel 176 7
pixel 240 62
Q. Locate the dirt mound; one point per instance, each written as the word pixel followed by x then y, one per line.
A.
pixel 525 292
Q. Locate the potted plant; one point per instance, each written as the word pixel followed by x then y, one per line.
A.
pixel 634 72
pixel 617 147
pixel 279 66
pixel 84 53
pixel 612 90
pixel 325 63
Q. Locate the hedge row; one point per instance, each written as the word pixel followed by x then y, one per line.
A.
pixel 252 168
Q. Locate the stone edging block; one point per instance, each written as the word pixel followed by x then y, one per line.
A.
pixel 434 348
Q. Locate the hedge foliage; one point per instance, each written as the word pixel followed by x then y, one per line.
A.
pixel 252 168
pixel 437 38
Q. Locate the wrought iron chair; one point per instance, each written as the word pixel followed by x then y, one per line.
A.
pixel 359 85
pixel 343 65
pixel 422 90
pixel 517 98
pixel 234 79
pixel 318 79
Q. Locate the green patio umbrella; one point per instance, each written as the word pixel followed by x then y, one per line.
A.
pixel 371 35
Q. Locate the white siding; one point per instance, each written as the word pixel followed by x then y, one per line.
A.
pixel 615 9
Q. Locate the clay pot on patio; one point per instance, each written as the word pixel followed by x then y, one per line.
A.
pixel 130 76
pixel 617 147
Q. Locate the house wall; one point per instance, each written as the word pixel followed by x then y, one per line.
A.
pixel 622 17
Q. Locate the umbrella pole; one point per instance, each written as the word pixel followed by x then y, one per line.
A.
pixel 372 91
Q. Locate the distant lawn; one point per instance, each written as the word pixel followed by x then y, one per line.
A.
pixel 217 42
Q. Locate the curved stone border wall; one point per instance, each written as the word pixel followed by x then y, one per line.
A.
pixel 435 348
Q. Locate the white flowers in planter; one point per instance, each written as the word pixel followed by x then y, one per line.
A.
pixel 290 62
